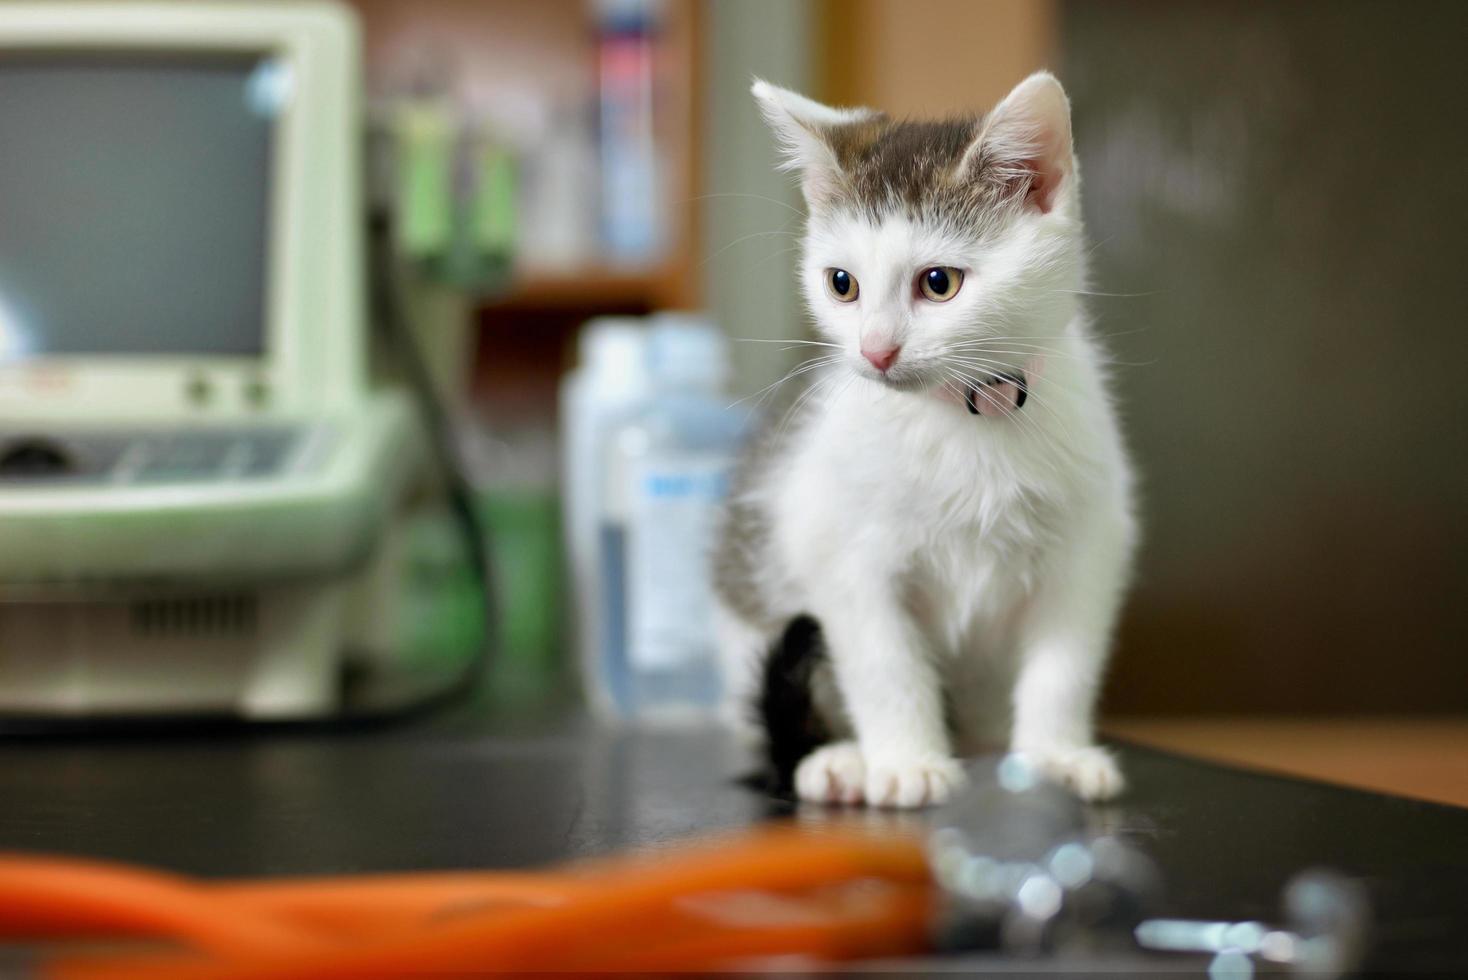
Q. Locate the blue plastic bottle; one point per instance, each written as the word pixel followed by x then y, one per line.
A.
pixel 671 468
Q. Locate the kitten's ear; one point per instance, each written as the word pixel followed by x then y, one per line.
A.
pixel 802 129
pixel 1026 143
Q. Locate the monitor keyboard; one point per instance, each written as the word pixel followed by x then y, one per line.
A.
pixel 159 457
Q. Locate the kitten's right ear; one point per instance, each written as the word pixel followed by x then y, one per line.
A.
pixel 802 129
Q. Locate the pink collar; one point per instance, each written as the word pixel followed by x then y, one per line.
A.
pixel 996 395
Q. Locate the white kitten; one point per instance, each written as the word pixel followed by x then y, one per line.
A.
pixel 951 501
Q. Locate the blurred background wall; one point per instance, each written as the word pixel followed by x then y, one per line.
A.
pixel 1274 195
pixel 752 212
pixel 1274 198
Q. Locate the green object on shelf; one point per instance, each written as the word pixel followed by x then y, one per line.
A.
pixel 483 247
pixel 492 210
pixel 424 204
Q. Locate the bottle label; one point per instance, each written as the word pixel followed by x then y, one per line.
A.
pixel 675 501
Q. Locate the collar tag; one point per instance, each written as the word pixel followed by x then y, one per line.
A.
pixel 1000 394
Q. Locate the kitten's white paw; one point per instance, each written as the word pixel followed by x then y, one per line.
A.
pixel 834 773
pixel 1089 771
pixel 914 782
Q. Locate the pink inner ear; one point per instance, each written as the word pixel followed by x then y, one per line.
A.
pixel 1041 192
pixel 1046 177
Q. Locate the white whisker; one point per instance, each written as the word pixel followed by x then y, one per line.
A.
pixel 800 369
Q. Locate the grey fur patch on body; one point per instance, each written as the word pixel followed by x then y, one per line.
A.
pixel 742 551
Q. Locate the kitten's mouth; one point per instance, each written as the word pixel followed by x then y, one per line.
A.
pixel 903 381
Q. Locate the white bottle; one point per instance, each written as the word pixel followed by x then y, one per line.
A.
pixel 669 475
pixel 558 193
pixel 611 381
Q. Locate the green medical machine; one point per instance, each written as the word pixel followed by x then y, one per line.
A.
pixel 200 492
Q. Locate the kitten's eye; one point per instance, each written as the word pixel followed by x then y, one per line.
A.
pixel 842 285
pixel 940 283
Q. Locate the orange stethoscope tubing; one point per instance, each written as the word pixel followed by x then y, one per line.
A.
pixel 828 894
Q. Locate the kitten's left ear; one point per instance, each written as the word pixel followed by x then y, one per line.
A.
pixel 1026 143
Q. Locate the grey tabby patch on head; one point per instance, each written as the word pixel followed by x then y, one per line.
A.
pixel 918 168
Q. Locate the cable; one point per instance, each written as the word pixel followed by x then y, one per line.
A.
pixel 822 892
pixel 392 317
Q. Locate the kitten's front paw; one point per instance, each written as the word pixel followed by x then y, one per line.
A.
pixel 914 782
pixel 1089 771
pixel 834 773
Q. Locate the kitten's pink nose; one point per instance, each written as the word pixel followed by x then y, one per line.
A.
pixel 882 359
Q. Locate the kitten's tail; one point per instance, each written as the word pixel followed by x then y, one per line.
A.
pixel 785 706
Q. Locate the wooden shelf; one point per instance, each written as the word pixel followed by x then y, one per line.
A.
pixel 529 50
pixel 544 52
pixel 590 290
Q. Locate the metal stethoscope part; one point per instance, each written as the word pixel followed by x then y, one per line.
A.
pixel 1025 873
pixel 1326 915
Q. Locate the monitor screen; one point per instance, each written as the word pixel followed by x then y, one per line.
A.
pixel 134 203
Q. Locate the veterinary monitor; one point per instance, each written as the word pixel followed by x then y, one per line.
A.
pixel 194 471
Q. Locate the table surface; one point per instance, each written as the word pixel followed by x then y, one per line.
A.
pixel 457 791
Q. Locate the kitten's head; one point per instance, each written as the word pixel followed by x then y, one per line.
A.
pixel 936 252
